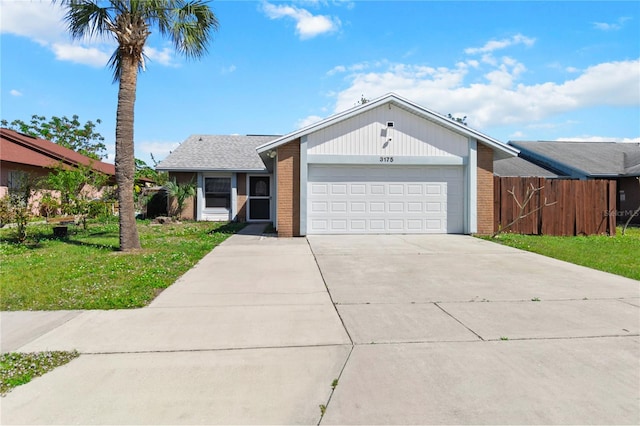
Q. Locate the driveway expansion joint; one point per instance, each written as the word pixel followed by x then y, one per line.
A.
pixel 456 319
pixel 324 281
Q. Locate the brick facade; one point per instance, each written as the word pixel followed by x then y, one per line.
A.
pixel 189 211
pixel 288 220
pixel 242 197
pixel 485 190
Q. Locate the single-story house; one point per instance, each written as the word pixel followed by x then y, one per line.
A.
pixel 519 167
pixel 591 160
pixel 386 166
pixel 20 153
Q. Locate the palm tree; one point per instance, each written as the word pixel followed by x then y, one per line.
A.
pixel 187 23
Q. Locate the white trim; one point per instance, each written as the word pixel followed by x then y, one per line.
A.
pixel 304 172
pixel 395 160
pixel 472 187
pixel 200 197
pixel 234 197
pixel 215 213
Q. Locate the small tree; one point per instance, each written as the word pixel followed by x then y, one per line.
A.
pixel 180 192
pixel 522 207
pixel 15 205
pixel 74 186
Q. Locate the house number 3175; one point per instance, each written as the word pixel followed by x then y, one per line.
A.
pixel 386 159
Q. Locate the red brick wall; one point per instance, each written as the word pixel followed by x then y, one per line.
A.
pixel 242 197
pixel 485 190
pixel 189 212
pixel 288 221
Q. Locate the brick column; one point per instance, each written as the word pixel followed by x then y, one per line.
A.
pixel 288 221
pixel 485 190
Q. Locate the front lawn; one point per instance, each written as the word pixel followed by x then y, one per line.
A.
pixel 86 271
pixel 619 255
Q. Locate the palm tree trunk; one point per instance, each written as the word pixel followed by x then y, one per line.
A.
pixel 125 162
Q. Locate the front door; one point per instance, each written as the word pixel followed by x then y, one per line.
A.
pixel 259 198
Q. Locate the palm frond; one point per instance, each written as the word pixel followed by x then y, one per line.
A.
pixel 86 18
pixel 190 27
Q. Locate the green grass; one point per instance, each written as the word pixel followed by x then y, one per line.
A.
pixel 86 270
pixel 619 255
pixel 19 368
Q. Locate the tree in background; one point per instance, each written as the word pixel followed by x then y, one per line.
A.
pixel 143 170
pixel 70 133
pixel 76 186
pixel 186 23
pixel 462 120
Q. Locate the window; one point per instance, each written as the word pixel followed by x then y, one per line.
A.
pixel 217 192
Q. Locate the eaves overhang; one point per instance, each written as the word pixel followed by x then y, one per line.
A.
pixel 503 150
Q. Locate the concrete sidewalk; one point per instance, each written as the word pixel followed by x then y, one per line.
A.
pixel 249 335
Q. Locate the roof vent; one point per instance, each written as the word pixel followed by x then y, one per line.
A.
pixel 389 123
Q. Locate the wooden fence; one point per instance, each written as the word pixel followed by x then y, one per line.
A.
pixel 570 207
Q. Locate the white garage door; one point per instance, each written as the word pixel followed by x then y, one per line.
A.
pixel 384 199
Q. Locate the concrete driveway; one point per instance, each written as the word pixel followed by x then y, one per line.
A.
pixel 415 329
pixel 455 330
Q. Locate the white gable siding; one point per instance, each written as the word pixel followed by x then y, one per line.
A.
pixel 364 135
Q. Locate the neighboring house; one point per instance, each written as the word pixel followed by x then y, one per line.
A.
pixel 519 167
pixel 386 166
pixel 591 160
pixel 20 153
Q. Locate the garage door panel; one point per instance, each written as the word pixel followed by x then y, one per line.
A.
pixel 379 199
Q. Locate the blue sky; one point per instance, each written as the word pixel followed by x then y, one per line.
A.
pixel 517 70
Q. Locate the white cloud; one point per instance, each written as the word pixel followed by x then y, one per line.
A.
pixel 613 26
pixel 307 121
pixel 228 70
pixel 307 24
pixel 572 69
pixel 14 92
pixel 162 56
pixel 598 139
pixel 91 56
pixel 494 45
pixel 43 23
pixel 500 99
pixel 517 134
pixel 40 21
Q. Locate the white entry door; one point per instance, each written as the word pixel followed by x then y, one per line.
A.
pixel 385 199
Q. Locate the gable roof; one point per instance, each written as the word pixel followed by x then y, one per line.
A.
pixel 19 148
pixel 519 167
pixel 226 152
pixel 503 150
pixel 583 159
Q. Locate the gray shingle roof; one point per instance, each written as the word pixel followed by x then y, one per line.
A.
pixel 217 152
pixel 583 159
pixel 519 167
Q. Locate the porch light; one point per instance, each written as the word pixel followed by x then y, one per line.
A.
pixel 272 153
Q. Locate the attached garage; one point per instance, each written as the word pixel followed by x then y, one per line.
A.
pixel 384 199
pixel 388 166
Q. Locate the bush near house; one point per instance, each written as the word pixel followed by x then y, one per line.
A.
pixel 86 270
